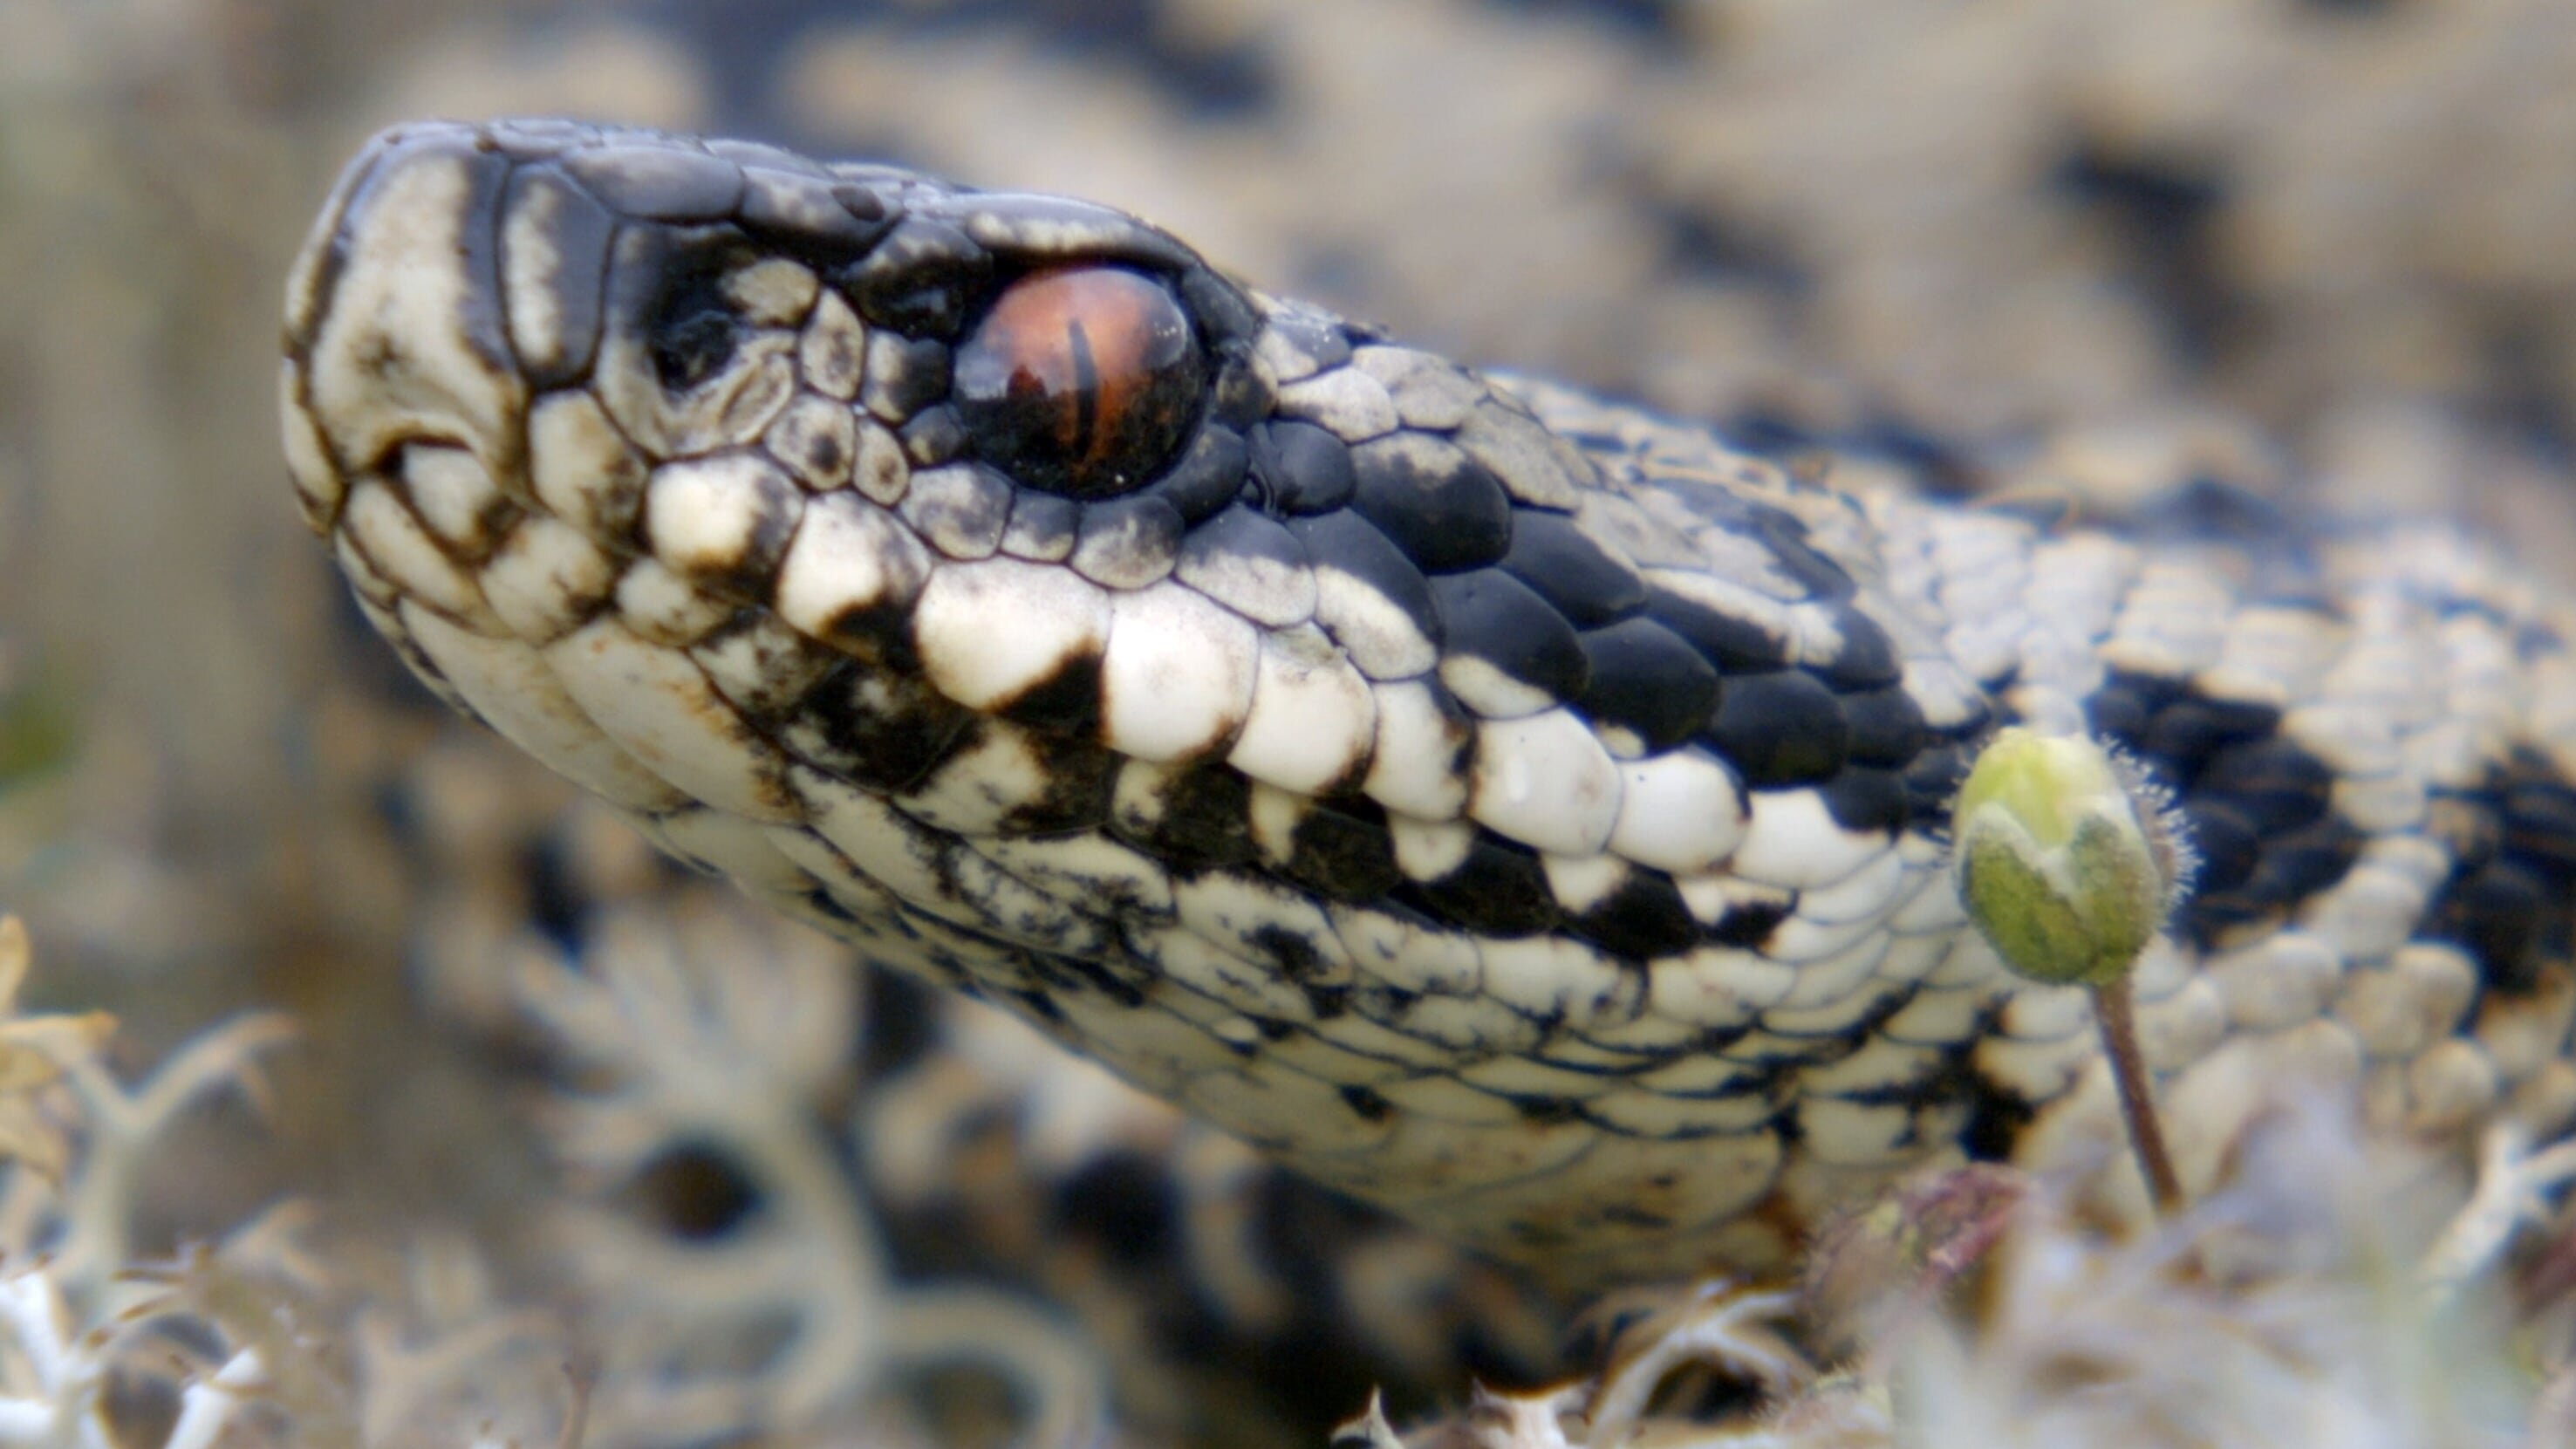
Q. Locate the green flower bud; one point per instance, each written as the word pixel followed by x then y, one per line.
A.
pixel 2066 859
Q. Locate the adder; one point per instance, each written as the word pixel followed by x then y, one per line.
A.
pixel 1510 808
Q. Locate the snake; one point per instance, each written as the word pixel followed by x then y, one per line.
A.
pixel 1520 811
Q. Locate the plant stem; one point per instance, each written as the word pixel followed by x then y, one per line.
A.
pixel 2111 1010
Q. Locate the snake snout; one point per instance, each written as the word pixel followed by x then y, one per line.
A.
pixel 399 358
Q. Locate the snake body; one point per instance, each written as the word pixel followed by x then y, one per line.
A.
pixel 1513 809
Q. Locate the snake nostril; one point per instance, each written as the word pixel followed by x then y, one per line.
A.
pixel 692 334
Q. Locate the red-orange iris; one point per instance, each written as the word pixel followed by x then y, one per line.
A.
pixel 1081 381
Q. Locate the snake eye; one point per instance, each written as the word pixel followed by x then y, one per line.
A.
pixel 1081 381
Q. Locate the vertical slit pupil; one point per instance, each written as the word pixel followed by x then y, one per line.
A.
pixel 1086 389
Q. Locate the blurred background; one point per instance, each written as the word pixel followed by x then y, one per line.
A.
pixel 2319 243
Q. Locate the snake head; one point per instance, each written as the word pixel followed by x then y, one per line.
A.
pixel 541 375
